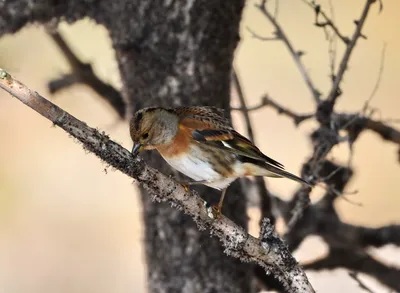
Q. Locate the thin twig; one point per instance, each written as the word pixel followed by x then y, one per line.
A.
pixel 332 51
pixel 242 100
pixel 83 73
pixel 301 203
pixel 361 261
pixel 295 54
pixel 346 57
pixel 261 38
pixel 267 101
pixel 272 254
pixel 378 79
pixel 354 276
pixel 327 21
pixel 264 196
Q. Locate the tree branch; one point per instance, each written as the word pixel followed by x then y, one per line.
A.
pixel 83 73
pixel 264 195
pixel 269 252
pixel 359 261
pixel 354 276
pixel 267 101
pixel 328 22
pixel 334 93
pixel 242 100
pixel 354 124
pixel 295 54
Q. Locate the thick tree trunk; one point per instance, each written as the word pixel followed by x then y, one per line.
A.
pixel 170 53
pixel 181 54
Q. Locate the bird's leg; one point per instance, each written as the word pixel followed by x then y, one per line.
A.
pixel 216 210
pixel 186 185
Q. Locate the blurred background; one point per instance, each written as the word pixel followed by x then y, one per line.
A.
pixel 68 223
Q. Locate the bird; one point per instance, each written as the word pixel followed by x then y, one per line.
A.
pixel 200 142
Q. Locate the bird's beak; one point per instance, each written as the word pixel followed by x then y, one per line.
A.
pixel 137 147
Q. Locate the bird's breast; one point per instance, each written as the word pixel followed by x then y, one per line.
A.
pixel 204 165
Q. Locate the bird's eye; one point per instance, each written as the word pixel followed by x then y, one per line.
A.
pixel 145 135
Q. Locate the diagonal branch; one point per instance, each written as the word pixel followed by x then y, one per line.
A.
pixel 354 124
pixel 355 277
pixel 359 261
pixel 269 252
pixel 239 90
pixel 327 20
pixel 334 93
pixel 264 195
pixel 296 55
pixel 83 73
pixel 267 101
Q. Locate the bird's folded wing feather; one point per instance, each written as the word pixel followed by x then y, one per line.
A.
pixel 210 127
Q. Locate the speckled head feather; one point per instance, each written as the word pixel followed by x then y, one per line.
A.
pixel 151 127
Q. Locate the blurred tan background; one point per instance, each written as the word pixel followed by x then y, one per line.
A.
pixel 70 224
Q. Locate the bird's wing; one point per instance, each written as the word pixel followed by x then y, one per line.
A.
pixel 203 117
pixel 208 126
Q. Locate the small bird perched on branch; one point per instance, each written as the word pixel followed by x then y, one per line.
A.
pixel 200 143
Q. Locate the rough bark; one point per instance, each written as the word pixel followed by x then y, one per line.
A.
pixel 183 56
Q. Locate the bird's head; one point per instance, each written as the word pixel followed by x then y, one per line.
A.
pixel 152 127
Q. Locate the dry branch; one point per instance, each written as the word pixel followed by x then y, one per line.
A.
pixel 328 22
pixel 335 91
pixel 269 251
pixel 359 261
pixel 267 101
pixel 83 73
pixel 280 34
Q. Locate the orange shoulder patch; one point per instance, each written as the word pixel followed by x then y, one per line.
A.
pixel 179 145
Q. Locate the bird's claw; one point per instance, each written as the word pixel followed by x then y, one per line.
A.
pixel 186 187
pixel 213 211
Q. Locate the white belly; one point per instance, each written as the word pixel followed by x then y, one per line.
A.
pixel 199 170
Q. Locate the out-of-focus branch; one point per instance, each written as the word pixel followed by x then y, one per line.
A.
pixel 295 54
pixel 267 101
pixel 354 276
pixel 242 100
pixel 359 261
pixel 354 124
pixel 83 73
pixel 335 90
pixel 269 251
pixel 264 195
pixel 328 22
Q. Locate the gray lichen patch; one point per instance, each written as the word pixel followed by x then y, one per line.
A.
pixel 4 74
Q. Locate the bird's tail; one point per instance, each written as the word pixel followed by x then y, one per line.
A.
pixel 272 171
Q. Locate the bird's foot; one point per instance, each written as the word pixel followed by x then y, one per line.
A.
pixel 214 211
pixel 185 186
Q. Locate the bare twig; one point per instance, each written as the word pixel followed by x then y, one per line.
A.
pixel 359 261
pixel 301 201
pixel 295 54
pixel 265 198
pixel 332 49
pixel 242 100
pixel 261 38
pixel 354 276
pixel 83 73
pixel 379 78
pixel 271 254
pixel 355 124
pixel 327 21
pixel 267 101
pixel 334 93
